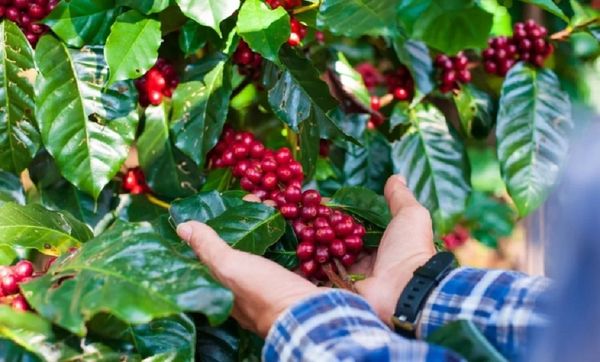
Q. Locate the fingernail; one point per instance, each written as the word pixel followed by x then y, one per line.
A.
pixel 401 179
pixel 184 231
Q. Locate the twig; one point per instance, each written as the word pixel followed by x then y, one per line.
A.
pixel 306 8
pixel 566 32
pixel 337 280
pixel 158 202
pixel 386 99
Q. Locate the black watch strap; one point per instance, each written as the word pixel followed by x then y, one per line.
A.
pixel 412 299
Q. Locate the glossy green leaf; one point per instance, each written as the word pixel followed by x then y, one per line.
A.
pixel 264 30
pixel 218 344
pixel 368 165
pixel 309 140
pixel 166 339
pixel 201 207
pixel 218 179
pixel 10 351
pixel 289 102
pixel 415 56
pixel 250 227
pixel 33 226
pixel 82 22
pixel 136 208
pixel 192 37
pixel 534 119
pixel 435 166
pixel 549 6
pixel 32 333
pixel 489 219
pixel 167 171
pixel 284 251
pixel 146 6
pixel 86 127
pixel 364 203
pixel 354 18
pixel 132 46
pixel 464 338
pixel 131 273
pixel 7 255
pixel 447 25
pixel 11 189
pixel 19 138
pixel 200 108
pixel 351 80
pixel 476 111
pixel 400 115
pixel 209 12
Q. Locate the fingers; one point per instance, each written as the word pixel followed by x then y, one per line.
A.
pixel 398 195
pixel 204 241
pixel 251 198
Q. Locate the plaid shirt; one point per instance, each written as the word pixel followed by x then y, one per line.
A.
pixel 341 326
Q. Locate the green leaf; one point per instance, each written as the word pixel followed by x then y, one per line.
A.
pixel 250 227
pixel 309 140
pixel 476 111
pixel 82 22
pixel 19 138
pixel 86 128
pixel 166 339
pixel 11 189
pixel 264 30
pixel 10 351
pixel 209 12
pixel 130 272
pixel 146 6
pixel 463 337
pixel 549 6
pixel 193 37
pixel 284 251
pixel 200 108
pixel 218 344
pixel 201 207
pixel 289 102
pixel 400 115
pixel 7 255
pixel 167 172
pixel 132 46
pixel 33 226
pixel 435 166
pixel 363 203
pixel 136 208
pixel 368 165
pixel 415 56
pixel 218 179
pixel 534 120
pixel 353 18
pixel 351 80
pixel 489 219
pixel 447 25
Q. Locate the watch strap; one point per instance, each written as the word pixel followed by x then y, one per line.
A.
pixel 415 294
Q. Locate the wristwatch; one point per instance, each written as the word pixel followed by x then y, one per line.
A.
pixel 414 295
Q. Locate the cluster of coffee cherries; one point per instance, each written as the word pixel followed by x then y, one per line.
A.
pixel 134 182
pixel 529 43
pixel 400 83
pixel 248 62
pixel 375 120
pixel 324 233
pixel 453 70
pixel 456 238
pixel 10 279
pixel 160 81
pixel 26 14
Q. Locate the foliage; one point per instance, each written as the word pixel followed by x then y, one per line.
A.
pixel 124 286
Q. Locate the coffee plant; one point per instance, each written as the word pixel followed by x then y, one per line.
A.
pixel 120 119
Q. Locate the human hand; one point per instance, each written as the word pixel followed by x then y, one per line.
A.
pixel 262 289
pixel 406 244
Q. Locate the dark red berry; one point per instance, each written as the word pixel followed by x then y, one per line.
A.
pixel 293 194
pixel 324 211
pixel 246 184
pixel 23 269
pixel 353 243
pixel 269 164
pixel 9 284
pixel 311 198
pixel 324 235
pixel 308 212
pixel 289 211
pixel 307 234
pixel 337 248
pixel 322 254
pixel 257 150
pixel 309 267
pixel 294 39
pixel 283 156
pixel 305 251
pixel 269 181
pixel 348 259
pixel 344 228
pixel 254 174
pixel 19 303
pixel 321 222
pixel 359 230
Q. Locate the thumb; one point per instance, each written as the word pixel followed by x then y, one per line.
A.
pixel 398 195
pixel 205 242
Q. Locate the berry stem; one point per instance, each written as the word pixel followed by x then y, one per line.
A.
pixel 385 100
pixel 158 202
pixel 564 34
pixel 337 280
pixel 303 9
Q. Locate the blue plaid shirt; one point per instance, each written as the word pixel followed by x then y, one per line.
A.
pixel 341 326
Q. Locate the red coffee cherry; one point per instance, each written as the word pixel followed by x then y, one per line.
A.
pixel 305 251
pixel 452 71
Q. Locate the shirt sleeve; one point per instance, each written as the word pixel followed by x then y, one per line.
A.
pixel 341 326
pixel 508 307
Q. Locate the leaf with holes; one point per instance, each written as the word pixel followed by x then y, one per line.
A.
pixel 200 108
pixel 264 30
pixel 86 127
pixel 209 12
pixel 82 22
pixel 33 226
pixel 130 272
pixel 19 138
pixel 435 166
pixel 132 46
pixel 534 120
pixel 354 18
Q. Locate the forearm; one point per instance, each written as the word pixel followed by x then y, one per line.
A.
pixel 506 306
pixel 337 325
